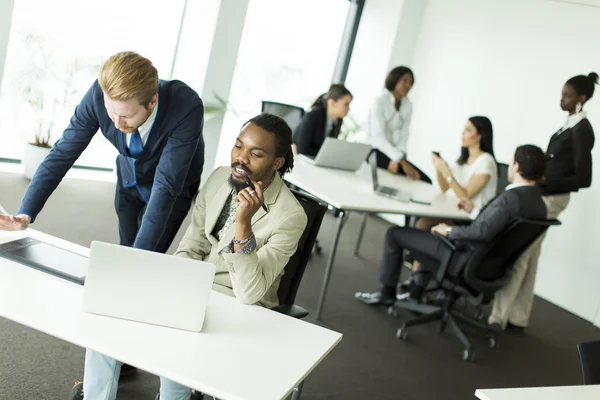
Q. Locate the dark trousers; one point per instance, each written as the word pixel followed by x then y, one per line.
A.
pixel 130 208
pixel 425 247
pixel 383 161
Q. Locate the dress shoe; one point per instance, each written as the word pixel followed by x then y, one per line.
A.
pixel 78 390
pixel 408 297
pixel 374 298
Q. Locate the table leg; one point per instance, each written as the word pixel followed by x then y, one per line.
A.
pixel 297 392
pixel 329 266
pixel 360 233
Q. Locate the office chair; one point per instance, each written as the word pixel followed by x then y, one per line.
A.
pixel 502 177
pixel 589 355
pixel 474 279
pixel 294 270
pixel 291 114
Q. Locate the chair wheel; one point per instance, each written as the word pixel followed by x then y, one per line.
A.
pixel 392 312
pixel 402 333
pixel 468 355
pixel 492 341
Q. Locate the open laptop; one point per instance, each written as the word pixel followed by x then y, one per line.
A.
pixel 385 191
pixel 340 154
pixel 149 287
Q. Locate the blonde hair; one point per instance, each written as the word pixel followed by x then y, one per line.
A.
pixel 128 75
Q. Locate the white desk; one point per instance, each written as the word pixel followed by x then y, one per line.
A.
pixel 353 191
pixel 589 392
pixel 244 352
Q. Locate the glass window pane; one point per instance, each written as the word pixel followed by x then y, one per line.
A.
pixel 287 54
pixel 54 52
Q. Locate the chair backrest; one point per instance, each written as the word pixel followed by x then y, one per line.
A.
pixel 291 114
pixel 487 268
pixel 502 177
pixel 294 270
pixel 589 355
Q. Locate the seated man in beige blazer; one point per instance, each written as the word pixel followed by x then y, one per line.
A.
pixel 248 233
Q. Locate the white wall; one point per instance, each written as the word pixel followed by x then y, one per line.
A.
pixel 508 59
pixel 6 9
pixel 375 41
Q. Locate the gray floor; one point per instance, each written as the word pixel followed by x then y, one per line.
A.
pixel 369 362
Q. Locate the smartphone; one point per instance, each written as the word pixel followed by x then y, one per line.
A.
pixel 437 153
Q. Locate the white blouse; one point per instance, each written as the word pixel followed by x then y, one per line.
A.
pixel 483 165
pixel 388 127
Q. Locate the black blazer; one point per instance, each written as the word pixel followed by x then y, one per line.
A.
pixel 310 133
pixel 523 201
pixel 569 166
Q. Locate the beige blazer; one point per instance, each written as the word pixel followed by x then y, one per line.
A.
pixel 251 278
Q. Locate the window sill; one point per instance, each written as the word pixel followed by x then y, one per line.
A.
pixel 74 173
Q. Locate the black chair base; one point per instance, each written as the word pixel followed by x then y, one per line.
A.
pixel 448 318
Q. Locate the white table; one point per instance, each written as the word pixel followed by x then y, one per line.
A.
pixel 353 191
pixel 244 352
pixel 589 392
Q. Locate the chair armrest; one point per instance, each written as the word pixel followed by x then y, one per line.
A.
pixel 446 241
pixel 291 310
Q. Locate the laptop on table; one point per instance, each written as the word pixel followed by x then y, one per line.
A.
pixel 149 287
pixel 340 154
pixel 385 191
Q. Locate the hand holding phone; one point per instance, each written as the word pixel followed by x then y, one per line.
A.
pixel 437 153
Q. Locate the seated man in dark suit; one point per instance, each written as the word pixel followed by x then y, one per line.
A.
pixel 523 198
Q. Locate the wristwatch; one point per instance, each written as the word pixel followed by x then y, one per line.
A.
pixel 449 179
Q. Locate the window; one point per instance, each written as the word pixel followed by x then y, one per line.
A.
pixel 287 54
pixel 54 53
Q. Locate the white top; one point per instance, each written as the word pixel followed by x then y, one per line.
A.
pixel 388 127
pixel 588 392
pixel 483 165
pixel 244 352
pixel 353 191
pixel 144 130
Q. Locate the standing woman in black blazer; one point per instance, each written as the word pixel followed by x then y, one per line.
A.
pixel 323 120
pixel 568 169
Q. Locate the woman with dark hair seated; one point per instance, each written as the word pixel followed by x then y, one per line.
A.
pixel 323 120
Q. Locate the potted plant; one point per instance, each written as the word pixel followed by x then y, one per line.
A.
pixel 47 84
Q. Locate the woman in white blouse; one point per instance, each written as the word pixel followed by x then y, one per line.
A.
pixel 473 176
pixel 389 122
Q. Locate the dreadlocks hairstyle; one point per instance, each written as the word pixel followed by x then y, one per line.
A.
pixel 283 138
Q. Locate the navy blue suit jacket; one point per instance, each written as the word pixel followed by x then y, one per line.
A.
pixel 171 162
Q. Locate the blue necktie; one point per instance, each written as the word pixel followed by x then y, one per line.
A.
pixel 136 147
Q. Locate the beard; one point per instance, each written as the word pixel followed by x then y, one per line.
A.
pixel 237 185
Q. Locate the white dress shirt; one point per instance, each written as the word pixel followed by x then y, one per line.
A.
pixel 388 127
pixel 145 129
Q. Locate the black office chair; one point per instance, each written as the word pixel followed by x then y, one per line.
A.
pixel 502 177
pixel 475 279
pixel 589 355
pixel 291 114
pixel 294 270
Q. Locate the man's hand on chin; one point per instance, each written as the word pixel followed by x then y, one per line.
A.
pixel 14 223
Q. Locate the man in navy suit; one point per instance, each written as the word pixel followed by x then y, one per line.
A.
pixel 156 126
